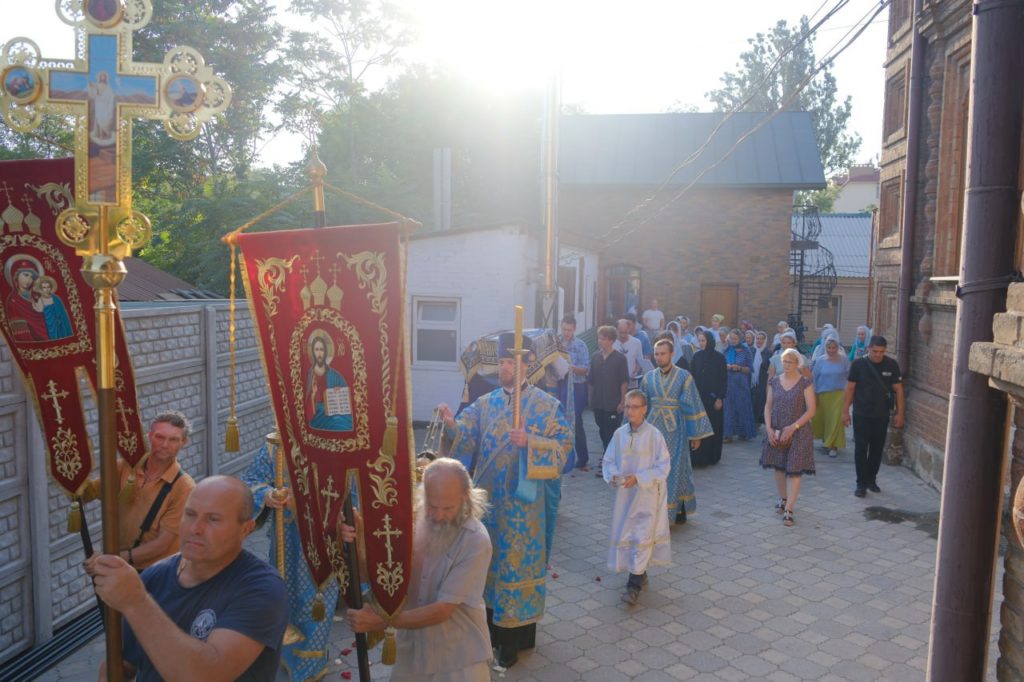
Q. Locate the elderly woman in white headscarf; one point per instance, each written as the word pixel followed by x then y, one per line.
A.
pixel 780 328
pixel 786 340
pixel 819 350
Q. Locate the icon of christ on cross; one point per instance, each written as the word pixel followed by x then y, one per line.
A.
pixel 104 89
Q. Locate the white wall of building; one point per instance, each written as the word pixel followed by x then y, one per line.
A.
pixel 483 273
pixel 855 197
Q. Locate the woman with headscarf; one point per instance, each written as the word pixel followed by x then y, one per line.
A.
pixel 781 328
pixel 787 340
pixel 860 344
pixel 708 370
pixel 722 339
pixel 739 412
pixel 819 346
pixel 829 373
pixel 759 374
pixel 677 345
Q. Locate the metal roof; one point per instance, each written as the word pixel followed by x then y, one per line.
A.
pixel 848 237
pixel 146 282
pixel 644 149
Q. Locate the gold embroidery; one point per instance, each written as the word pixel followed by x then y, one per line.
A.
pixel 390 573
pixel 65 453
pixel 314 556
pixel 270 275
pixel 371 272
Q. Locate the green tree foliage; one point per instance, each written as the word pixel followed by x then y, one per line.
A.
pixel 196 191
pixel 753 86
pixel 494 142
pixel 824 198
pixel 331 63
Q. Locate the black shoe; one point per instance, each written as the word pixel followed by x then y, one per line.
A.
pixel 874 488
pixel 860 492
pixel 507 657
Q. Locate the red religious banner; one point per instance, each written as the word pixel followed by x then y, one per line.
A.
pixel 48 322
pixel 328 307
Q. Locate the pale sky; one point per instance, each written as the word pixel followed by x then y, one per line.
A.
pixel 647 58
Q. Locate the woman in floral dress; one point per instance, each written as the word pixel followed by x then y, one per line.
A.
pixel 789 445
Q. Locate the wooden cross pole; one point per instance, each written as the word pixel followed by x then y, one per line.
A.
pixel 104 89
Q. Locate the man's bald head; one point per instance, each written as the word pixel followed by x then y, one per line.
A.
pixel 233 492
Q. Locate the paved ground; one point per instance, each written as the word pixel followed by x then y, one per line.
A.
pixel 843 595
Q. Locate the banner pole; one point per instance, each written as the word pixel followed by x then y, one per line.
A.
pixel 317 171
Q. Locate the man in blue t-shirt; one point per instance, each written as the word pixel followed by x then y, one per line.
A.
pixel 213 611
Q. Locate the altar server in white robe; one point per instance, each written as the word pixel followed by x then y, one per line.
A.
pixel 636 463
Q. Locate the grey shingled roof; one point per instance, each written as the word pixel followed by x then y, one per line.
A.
pixel 643 149
pixel 848 237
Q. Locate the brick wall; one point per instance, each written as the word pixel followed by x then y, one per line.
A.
pixel 709 236
pixel 180 355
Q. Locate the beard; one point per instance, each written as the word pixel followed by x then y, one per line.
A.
pixel 435 538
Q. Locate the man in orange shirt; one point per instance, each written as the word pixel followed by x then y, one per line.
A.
pixel 152 495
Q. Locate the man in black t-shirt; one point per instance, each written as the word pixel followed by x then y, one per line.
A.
pixel 213 611
pixel 874 381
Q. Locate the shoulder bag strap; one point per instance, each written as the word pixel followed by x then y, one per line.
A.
pixel 154 508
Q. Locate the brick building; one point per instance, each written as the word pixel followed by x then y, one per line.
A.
pixel 922 195
pixel 720 247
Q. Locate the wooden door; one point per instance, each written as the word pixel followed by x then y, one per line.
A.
pixel 719 298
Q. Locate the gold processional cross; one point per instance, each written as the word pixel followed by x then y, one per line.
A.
pixel 105 89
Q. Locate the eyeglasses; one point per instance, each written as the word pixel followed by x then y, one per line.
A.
pixel 635 406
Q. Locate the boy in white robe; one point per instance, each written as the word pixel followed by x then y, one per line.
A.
pixel 637 464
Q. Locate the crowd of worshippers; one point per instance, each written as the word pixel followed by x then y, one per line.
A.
pixel 198 605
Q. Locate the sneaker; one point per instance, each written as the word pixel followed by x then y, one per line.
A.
pixel 631 596
pixel 833 453
pixel 874 488
pixel 860 492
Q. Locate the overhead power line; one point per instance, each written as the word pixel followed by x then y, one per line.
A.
pixel 619 231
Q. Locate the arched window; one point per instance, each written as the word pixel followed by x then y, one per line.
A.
pixel 622 291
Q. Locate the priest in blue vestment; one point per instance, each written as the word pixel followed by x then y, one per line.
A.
pixel 307 658
pixel 515 467
pixel 675 408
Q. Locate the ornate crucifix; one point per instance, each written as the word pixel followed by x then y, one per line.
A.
pixel 105 89
pixel 387 533
pixel 55 396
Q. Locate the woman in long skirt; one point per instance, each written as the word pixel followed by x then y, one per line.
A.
pixel 708 370
pixel 829 372
pixel 789 446
pixel 739 412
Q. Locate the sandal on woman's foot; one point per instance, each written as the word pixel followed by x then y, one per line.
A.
pixel 787 518
pixel 780 506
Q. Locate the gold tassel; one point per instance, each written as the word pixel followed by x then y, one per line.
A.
pixel 387 652
pixel 231 435
pixel 319 611
pixel 373 638
pixel 75 517
pixel 128 491
pixel 390 445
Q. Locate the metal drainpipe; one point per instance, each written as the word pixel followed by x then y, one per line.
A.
pixel 906 285
pixel 975 435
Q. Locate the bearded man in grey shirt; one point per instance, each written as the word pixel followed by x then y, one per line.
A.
pixel 442 631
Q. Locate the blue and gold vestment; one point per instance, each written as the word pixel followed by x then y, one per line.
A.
pixel 675 408
pixel 306 659
pixel 520 520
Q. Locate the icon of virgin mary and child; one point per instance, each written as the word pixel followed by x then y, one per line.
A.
pixel 34 310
